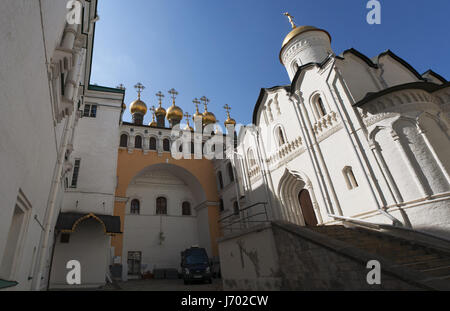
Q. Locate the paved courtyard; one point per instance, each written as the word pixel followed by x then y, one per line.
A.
pixel 164 285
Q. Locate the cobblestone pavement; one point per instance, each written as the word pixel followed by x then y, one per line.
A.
pixel 164 285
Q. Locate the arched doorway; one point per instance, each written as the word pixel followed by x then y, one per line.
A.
pixel 307 208
pixel 298 202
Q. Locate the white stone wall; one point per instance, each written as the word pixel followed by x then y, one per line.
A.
pixel 30 138
pixel 142 231
pixel 95 144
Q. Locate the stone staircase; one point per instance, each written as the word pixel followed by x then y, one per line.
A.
pixel 431 262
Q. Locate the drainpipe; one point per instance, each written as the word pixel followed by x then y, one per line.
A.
pixel 350 134
pixel 55 236
pixel 52 202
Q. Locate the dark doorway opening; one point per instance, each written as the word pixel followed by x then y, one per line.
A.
pixel 307 208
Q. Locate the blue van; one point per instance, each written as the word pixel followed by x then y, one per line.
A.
pixel 195 265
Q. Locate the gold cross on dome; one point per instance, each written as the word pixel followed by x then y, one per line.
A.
pixel 139 87
pixel 205 101
pixel 121 86
pixel 187 116
pixel 160 95
pixel 174 94
pixel 291 19
pixel 196 103
pixel 227 108
pixel 152 109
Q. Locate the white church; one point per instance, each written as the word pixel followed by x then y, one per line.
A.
pixel 354 147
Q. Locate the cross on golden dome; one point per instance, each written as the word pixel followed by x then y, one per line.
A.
pixel 196 103
pixel 205 101
pixel 174 94
pixel 227 108
pixel 160 95
pixel 291 19
pixel 121 86
pixel 139 87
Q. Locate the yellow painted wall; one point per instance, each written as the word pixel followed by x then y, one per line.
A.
pixel 130 164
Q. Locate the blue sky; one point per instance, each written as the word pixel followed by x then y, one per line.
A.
pixel 228 50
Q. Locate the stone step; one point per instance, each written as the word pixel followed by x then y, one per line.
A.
pixel 443 271
pixel 428 264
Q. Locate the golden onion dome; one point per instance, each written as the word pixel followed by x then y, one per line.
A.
pixel 208 118
pixel 229 121
pixel 189 128
pixel 174 113
pixel 160 111
pixel 297 31
pixel 153 124
pixel 138 106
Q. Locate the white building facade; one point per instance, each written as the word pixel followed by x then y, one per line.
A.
pixel 351 137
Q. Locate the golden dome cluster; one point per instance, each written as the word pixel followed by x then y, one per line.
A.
pixel 174 114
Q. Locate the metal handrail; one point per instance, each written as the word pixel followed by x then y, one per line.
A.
pixel 244 220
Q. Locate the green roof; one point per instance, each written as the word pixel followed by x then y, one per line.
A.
pixel 5 284
pixel 105 89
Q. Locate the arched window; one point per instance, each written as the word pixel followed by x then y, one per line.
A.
pixel 161 206
pixel 124 140
pixel 138 142
pixel 280 136
pixel 319 107
pixel 220 179
pixel 349 178
pixel 152 143
pixel 235 208
pixel 135 206
pixel 186 209
pixel 221 207
pixel 251 158
pixel 230 172
pixel 166 145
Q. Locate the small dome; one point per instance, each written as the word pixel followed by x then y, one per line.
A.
pixel 229 121
pixel 208 118
pixel 174 113
pixel 189 128
pixel 124 107
pixel 153 124
pixel 160 111
pixel 297 31
pixel 138 106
